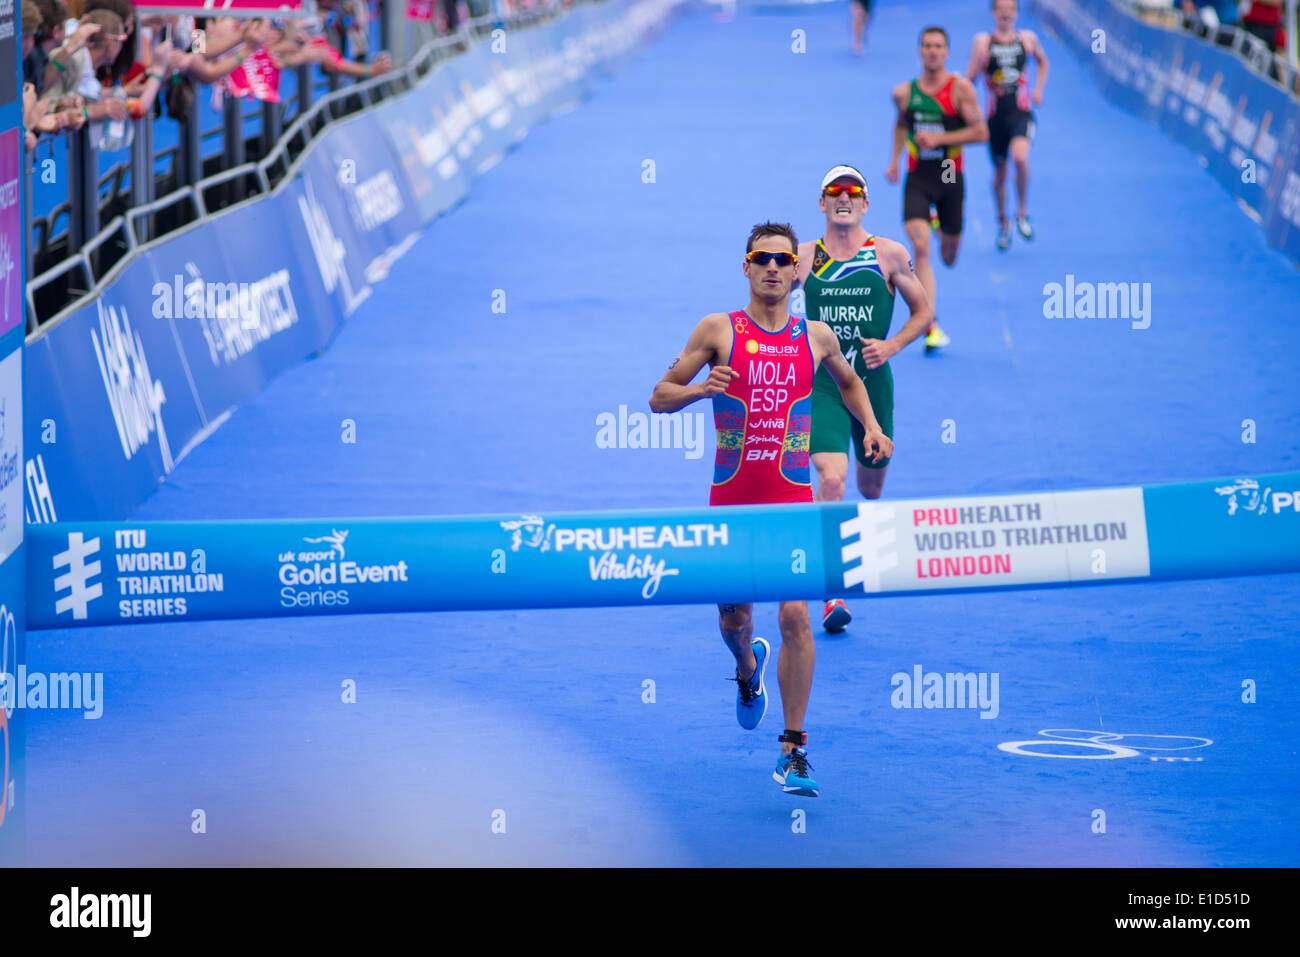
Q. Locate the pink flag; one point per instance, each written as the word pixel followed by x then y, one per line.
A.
pixel 419 10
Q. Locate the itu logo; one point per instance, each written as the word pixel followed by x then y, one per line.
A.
pixel 875 549
pixel 1075 744
pixel 76 580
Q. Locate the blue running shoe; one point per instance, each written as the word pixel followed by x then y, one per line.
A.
pixel 751 695
pixel 792 773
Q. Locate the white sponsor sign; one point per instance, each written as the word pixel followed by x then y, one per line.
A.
pixel 135 397
pixel 533 531
pixel 315 572
pixel 328 249
pixel 998 540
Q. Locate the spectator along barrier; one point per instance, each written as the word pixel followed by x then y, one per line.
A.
pixel 121 389
pixel 1243 126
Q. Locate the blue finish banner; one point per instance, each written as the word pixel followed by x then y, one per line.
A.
pixel 1243 126
pixel 1246 525
pixel 111 573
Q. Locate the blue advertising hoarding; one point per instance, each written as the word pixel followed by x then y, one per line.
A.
pixel 1244 127
pixel 119 410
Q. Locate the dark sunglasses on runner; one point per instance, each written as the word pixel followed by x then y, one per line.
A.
pixel 854 191
pixel 761 257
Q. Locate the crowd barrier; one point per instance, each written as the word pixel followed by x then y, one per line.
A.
pixel 1245 129
pixel 108 573
pixel 119 391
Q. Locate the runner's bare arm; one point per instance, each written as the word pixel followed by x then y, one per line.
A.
pixel 1040 57
pixel 899 270
pixel 674 391
pixel 827 349
pixel 979 56
pixel 967 105
pixel 976 129
pixel 900 131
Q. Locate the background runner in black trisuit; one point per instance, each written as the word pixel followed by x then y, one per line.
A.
pixel 1002 57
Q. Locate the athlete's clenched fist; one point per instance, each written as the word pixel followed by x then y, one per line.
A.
pixel 719 378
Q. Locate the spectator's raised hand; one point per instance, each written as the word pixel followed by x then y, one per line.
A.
pixel 51 123
pixel 34 112
pixel 223 32
pixel 114 108
pixel 29 104
pixel 84 32
pixel 256 32
pixel 318 53
pixel 71 119
pixel 382 64
pixel 162 58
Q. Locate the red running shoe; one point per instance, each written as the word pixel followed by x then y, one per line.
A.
pixel 836 617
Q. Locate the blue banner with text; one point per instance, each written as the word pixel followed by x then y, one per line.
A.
pixel 118 572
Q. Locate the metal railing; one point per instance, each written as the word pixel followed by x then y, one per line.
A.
pixel 1256 54
pixel 78 262
pixel 1280 68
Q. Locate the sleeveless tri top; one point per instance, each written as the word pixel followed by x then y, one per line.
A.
pixel 764 418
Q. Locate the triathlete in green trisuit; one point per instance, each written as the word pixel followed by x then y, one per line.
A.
pixel 937 114
pixel 849 279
